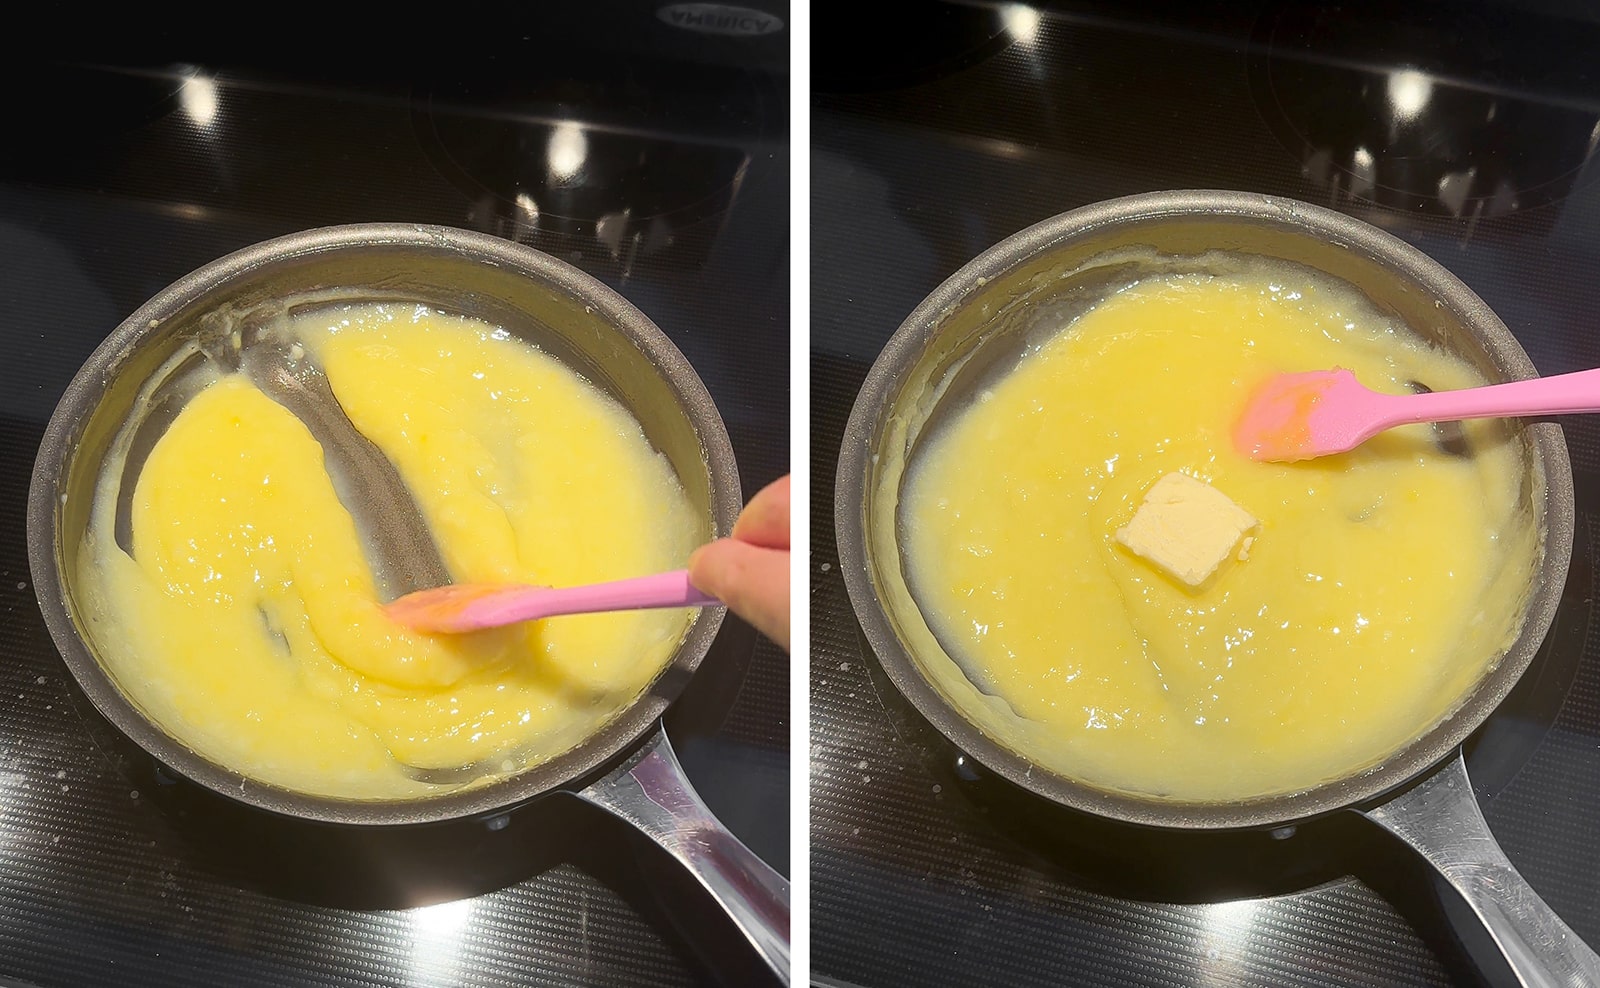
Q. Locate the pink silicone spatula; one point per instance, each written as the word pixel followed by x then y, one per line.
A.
pixel 474 606
pixel 1299 416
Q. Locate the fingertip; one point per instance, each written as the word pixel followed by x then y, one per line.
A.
pixel 764 521
pixel 700 573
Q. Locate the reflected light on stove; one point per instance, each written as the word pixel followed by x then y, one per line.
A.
pixel 527 209
pixel 1409 92
pixel 444 919
pixel 1363 177
pixel 197 95
pixel 610 230
pixel 1454 187
pixel 436 937
pixel 568 148
pixel 1226 930
pixel 1022 21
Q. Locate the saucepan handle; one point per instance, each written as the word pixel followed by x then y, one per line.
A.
pixel 1441 821
pixel 651 792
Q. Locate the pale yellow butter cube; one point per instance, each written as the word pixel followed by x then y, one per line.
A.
pixel 1186 527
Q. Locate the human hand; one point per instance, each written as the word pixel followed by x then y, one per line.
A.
pixel 750 571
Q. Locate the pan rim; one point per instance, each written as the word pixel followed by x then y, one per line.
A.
pixel 918 329
pixel 80 398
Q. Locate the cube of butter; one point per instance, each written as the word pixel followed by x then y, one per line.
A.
pixel 1186 527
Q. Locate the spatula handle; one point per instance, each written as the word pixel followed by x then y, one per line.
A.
pixel 1559 395
pixel 638 593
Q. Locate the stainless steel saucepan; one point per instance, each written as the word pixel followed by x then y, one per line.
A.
pixel 627 767
pixel 1043 275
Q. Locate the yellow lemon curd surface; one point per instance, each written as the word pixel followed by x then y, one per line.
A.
pixel 247 623
pixel 1380 585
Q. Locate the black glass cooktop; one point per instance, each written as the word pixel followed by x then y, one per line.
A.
pixel 1468 131
pixel 656 160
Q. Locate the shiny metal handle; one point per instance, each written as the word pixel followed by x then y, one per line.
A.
pixel 1441 821
pixel 651 792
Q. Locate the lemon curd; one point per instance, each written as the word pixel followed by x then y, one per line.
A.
pixel 247 624
pixel 1374 590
